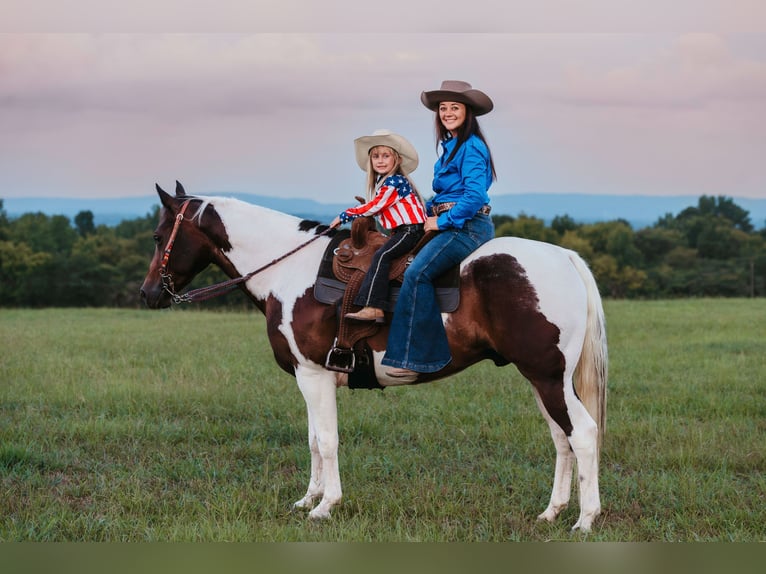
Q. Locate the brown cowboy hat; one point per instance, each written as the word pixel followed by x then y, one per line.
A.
pixel 457 91
pixel 364 144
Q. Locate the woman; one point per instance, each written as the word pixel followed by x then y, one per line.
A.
pixel 459 213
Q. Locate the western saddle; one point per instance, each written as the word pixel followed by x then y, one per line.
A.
pixel 344 264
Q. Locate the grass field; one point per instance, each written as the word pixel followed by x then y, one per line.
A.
pixel 132 425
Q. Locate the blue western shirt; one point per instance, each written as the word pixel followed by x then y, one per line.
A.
pixel 464 180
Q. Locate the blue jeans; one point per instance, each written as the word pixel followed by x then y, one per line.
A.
pixel 417 339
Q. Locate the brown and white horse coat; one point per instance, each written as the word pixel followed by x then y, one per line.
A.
pixel 524 302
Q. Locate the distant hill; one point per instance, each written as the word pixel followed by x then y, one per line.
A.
pixel 638 210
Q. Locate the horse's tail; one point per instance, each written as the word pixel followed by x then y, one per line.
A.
pixel 592 369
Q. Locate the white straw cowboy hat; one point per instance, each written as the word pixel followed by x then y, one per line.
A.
pixel 364 144
pixel 457 91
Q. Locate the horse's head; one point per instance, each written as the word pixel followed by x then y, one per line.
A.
pixel 186 242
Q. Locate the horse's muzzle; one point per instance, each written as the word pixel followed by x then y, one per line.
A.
pixel 154 298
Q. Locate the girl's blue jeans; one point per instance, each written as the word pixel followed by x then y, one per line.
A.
pixel 417 339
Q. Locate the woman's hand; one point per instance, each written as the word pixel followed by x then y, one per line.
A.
pixel 431 224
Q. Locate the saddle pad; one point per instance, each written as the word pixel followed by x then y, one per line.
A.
pixel 329 291
pixel 325 267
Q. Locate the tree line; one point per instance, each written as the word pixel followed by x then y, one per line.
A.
pixel 711 249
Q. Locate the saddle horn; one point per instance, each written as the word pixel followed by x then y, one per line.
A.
pixel 360 227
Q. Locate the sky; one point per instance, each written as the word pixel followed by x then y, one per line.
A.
pixel 267 97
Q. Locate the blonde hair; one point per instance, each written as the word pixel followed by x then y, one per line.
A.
pixel 373 178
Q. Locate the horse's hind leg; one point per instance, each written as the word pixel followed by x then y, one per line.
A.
pixel 562 478
pixel 580 446
pixel 319 391
pixel 584 442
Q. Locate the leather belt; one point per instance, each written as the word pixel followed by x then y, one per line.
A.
pixel 439 208
pixel 409 227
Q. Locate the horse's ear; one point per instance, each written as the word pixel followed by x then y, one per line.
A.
pixel 180 191
pixel 165 197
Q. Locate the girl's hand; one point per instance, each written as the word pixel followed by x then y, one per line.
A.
pixel 335 222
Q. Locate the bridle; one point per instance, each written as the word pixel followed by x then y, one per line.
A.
pixel 165 277
pixel 210 291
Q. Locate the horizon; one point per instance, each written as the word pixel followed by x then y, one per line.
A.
pixel 214 192
pixel 640 211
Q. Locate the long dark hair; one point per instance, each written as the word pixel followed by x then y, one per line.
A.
pixel 468 128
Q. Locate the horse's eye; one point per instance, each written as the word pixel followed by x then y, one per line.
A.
pixel 157 239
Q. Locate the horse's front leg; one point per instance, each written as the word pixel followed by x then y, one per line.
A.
pixel 319 391
pixel 315 489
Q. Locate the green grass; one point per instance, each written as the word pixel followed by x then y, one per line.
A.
pixel 120 425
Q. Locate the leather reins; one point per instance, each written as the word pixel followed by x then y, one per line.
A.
pixel 210 291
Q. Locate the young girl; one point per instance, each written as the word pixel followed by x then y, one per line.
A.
pixel 391 197
pixel 417 342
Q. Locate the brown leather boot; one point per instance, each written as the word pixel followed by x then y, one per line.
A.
pixel 368 314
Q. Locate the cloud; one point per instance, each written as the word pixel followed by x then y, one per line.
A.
pixel 274 113
pixel 154 72
pixel 193 73
pixel 343 16
pixel 696 70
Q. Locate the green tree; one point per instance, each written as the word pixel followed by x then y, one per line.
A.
pixel 614 238
pixel 83 221
pixel 656 242
pixel 4 224
pixel 615 280
pixel 710 219
pixel 144 226
pixel 725 208
pixel 499 220
pixel 720 241
pixel 576 242
pixel 528 228
pixel 94 269
pixel 49 234
pixel 21 270
pixel 563 223
pixel 707 249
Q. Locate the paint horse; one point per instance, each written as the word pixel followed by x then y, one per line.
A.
pixel 524 302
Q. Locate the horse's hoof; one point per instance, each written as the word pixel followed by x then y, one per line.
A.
pixel 584 524
pixel 303 504
pixel 316 514
pixel 547 516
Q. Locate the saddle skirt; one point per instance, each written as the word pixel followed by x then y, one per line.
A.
pixel 341 271
pixel 350 253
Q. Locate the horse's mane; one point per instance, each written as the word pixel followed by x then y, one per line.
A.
pixel 305 225
pixel 204 202
pixel 309 224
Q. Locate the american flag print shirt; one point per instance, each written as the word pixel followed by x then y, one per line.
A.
pixel 394 204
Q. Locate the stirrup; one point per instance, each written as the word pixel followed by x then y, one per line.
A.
pixel 340 359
